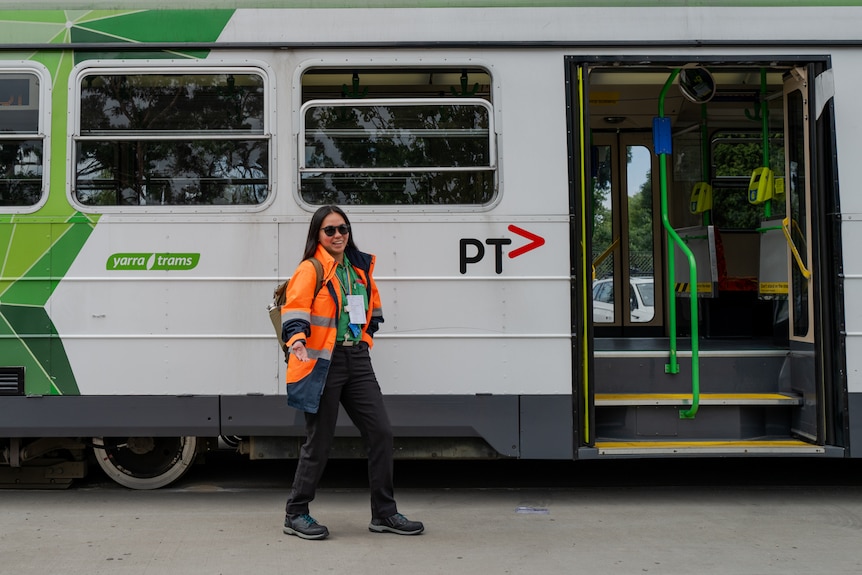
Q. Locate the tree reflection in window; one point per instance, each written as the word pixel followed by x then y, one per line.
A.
pixel 20 172
pixel 172 139
pixel 387 152
pixel 21 148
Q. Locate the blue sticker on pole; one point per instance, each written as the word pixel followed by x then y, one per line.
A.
pixel 661 135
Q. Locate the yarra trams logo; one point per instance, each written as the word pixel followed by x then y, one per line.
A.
pixel 165 261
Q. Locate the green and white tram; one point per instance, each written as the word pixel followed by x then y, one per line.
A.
pixel 603 229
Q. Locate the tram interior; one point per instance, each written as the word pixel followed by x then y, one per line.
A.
pixel 734 384
pixel 717 146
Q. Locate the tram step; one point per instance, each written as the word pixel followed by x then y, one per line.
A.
pixel 623 366
pixel 737 447
pixel 722 417
pixel 682 399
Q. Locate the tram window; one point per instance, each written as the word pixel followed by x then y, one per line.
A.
pixel 187 138
pixel 734 158
pixel 603 211
pixel 737 155
pixel 21 140
pixel 397 137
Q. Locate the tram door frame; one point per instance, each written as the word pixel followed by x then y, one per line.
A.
pixel 803 310
pixel 581 159
pixel 577 120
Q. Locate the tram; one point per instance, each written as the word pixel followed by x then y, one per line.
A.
pixel 603 229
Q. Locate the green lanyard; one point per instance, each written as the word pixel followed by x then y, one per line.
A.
pixel 348 280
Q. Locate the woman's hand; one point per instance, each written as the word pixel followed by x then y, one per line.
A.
pixel 299 351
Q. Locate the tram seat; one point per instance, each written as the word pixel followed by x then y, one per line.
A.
pixel 735 311
pixel 743 248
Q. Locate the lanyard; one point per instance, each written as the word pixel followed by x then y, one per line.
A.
pixel 344 270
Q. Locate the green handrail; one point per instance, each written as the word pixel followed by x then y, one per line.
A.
pixel 764 119
pixel 673 366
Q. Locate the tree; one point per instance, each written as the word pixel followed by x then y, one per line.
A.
pixel 603 225
pixel 641 217
pixel 735 157
pixel 369 139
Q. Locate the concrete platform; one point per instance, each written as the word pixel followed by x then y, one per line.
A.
pixel 204 527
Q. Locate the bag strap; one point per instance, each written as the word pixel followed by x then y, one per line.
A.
pixel 279 299
pixel 318 267
pixel 278 295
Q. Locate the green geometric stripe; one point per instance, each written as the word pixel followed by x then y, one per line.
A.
pixel 23 330
pixel 35 285
pixel 37 250
pixel 83 36
pixel 28 245
pixel 27 32
pixel 31 16
pixel 328 4
pixel 534 3
pixel 29 337
pixel 158 26
pixel 146 27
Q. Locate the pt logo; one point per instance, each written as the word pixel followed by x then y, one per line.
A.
pixel 478 248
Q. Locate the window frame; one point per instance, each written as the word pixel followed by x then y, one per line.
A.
pixel 338 61
pixel 43 99
pixel 171 67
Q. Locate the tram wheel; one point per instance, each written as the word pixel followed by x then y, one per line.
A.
pixel 145 462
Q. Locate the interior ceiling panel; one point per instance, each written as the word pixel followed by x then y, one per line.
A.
pixel 623 99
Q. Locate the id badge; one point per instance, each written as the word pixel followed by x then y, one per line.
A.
pixel 356 309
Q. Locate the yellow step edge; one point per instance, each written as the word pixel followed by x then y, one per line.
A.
pixel 624 399
pixel 706 447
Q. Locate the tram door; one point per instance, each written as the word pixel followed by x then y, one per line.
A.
pixel 626 258
pixel 798 231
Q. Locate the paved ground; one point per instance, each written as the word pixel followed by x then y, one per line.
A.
pixel 230 526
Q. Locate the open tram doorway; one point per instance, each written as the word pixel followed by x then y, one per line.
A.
pixel 733 355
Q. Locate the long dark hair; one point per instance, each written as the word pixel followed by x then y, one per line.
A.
pixel 314 229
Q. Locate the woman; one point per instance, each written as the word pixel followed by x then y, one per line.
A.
pixel 329 336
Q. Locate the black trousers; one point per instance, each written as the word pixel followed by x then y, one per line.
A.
pixel 352 383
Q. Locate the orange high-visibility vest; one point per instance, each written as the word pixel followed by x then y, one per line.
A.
pixel 316 322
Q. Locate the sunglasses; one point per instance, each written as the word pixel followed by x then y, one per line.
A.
pixel 343 229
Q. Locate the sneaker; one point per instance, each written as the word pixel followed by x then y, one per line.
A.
pixel 396 524
pixel 304 526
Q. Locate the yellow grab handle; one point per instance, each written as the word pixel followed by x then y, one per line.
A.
pixel 785 227
pixel 602 256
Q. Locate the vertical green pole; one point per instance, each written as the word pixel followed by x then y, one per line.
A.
pixel 764 113
pixel 673 365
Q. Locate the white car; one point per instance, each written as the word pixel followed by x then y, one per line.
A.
pixel 641 298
